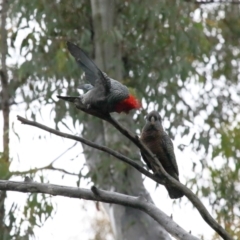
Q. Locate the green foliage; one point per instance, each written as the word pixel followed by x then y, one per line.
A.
pixel 180 57
pixel 4 170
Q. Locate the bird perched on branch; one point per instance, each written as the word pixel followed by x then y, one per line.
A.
pixel 102 93
pixel 160 144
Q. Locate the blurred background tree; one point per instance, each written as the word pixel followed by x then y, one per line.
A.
pixel 180 57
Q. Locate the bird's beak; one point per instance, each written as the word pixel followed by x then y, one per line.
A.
pixel 152 120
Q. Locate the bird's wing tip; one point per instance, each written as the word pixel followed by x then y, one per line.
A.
pixel 75 50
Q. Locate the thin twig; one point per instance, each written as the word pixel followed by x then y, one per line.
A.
pixel 48 167
pixel 63 153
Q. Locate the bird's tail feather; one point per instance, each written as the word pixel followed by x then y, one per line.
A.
pixel 173 192
pixel 66 98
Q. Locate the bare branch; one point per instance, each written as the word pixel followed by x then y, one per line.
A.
pixel 191 196
pixel 103 196
pixel 94 145
pixel 170 180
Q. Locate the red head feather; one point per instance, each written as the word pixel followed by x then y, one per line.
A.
pixel 127 104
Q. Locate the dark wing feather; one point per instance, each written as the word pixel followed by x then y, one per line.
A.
pixel 169 150
pixel 146 160
pixel 93 74
pixel 67 98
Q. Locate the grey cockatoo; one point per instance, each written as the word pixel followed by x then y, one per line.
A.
pixel 160 144
pixel 102 93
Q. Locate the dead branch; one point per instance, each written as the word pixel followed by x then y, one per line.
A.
pixel 96 194
pixel 190 195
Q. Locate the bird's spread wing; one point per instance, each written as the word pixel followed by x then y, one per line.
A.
pixel 168 148
pixel 93 74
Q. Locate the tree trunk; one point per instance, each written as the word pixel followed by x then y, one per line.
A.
pixel 4 159
pixel 107 173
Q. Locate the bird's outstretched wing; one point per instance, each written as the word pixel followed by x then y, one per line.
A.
pixel 169 150
pixel 93 74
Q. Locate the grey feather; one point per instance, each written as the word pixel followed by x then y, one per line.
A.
pixel 169 149
pixel 86 87
pixel 102 93
pixel 93 74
